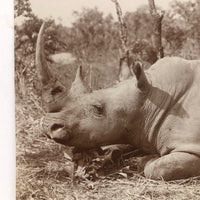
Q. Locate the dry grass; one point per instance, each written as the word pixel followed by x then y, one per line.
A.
pixel 43 172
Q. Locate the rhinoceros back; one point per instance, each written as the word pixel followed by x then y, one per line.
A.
pixel 176 85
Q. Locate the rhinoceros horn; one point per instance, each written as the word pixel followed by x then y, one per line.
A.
pixel 78 87
pixel 44 74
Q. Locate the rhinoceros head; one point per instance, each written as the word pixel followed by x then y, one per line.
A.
pixel 87 119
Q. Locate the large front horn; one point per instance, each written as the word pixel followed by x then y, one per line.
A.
pixel 43 72
pixel 78 87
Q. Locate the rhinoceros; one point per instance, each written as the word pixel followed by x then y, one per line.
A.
pixel 157 111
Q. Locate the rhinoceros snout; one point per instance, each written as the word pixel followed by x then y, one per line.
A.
pixel 59 133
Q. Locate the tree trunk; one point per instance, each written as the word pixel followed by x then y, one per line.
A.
pixel 124 70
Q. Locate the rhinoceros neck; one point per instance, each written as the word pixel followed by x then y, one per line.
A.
pixel 167 91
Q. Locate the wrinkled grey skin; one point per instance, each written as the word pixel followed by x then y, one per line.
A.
pixel 157 111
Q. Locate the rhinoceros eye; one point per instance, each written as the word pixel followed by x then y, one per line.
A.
pixel 56 90
pixel 98 109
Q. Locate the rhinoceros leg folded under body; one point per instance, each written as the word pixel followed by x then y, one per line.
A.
pixel 174 166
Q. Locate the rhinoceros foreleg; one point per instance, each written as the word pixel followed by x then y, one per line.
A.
pixel 176 165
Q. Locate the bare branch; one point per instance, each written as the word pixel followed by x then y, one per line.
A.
pixel 90 78
pixel 123 29
pixel 124 69
pixel 152 6
pixel 157 16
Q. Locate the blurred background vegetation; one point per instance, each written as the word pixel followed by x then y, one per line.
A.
pixel 93 41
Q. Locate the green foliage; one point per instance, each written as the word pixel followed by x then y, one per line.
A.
pixel 25 36
pixel 173 32
pixel 93 34
pixel 94 39
pixel 22 7
pixel 139 24
pixel 181 29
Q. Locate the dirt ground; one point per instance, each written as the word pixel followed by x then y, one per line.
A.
pixel 43 172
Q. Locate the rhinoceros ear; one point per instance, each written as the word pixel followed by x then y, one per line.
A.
pixel 142 81
pixel 78 87
pixel 124 70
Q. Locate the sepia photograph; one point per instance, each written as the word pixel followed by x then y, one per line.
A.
pixel 107 99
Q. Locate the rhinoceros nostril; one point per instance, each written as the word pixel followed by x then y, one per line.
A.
pixel 55 110
pixel 60 141
pixel 55 127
